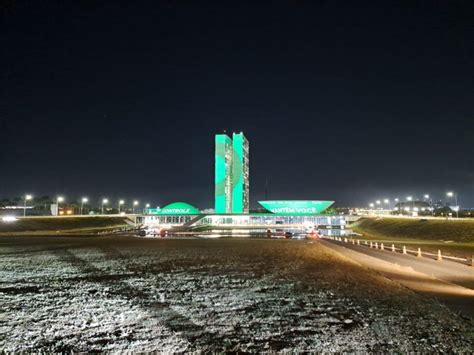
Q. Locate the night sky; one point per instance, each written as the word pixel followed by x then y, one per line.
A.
pixel 345 102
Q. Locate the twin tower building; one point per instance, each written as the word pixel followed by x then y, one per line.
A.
pixel 231 174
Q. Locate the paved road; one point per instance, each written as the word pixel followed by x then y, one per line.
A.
pixel 446 270
pixel 449 282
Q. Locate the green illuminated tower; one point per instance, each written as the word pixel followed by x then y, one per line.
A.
pixel 231 174
pixel 223 174
pixel 240 174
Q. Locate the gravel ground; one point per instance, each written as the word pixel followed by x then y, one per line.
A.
pixel 234 294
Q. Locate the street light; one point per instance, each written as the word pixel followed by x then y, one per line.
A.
pixel 396 202
pixel 27 198
pixel 59 199
pixel 410 198
pixel 427 197
pixel 452 194
pixel 84 200
pixel 371 205
pixel 121 202
pixel 104 202
pixel 135 203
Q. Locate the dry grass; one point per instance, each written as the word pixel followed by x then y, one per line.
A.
pixel 453 237
pixel 52 225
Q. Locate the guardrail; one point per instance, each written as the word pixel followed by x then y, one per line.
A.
pixel 403 250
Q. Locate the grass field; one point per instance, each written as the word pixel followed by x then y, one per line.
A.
pixel 452 237
pixel 52 225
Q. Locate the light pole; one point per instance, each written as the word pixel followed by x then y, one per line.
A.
pixel 453 194
pixel 387 202
pixel 377 202
pixel 135 203
pixel 104 202
pixel 430 201
pixel 410 198
pixel 27 198
pixel 396 201
pixel 84 200
pixel 121 202
pixel 147 206
pixel 59 199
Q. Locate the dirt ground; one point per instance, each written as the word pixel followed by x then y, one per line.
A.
pixel 227 294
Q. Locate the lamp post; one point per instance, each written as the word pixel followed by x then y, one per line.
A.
pixel 104 202
pixel 59 199
pixel 430 201
pixel 135 203
pixel 410 198
pixel 84 200
pixel 453 194
pixel 27 198
pixel 387 202
pixel 121 202
pixel 147 206
pixel 396 201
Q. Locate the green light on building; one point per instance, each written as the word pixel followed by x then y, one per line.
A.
pixel 295 207
pixel 240 174
pixel 175 208
pixel 231 174
pixel 223 171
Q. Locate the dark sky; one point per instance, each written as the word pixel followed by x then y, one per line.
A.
pixel 339 100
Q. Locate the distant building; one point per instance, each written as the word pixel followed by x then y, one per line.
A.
pixel 414 208
pixel 231 174
pixel 232 202
pixel 240 174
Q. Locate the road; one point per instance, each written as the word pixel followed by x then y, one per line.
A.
pixel 449 282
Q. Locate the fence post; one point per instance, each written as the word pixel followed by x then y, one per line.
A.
pixel 358 242
pixel 419 252
pixel 365 242
pixel 353 241
pixel 376 245
pixel 404 249
pixel 440 257
pixel 371 244
pixel 381 247
pixel 393 247
pixel 472 260
pixel 345 240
